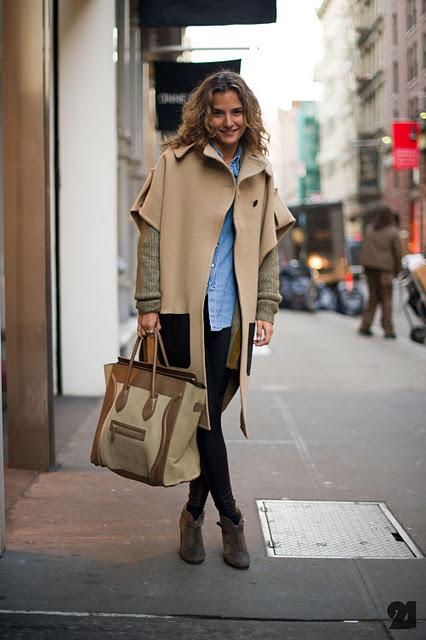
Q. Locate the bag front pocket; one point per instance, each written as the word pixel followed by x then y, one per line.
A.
pixel 127 430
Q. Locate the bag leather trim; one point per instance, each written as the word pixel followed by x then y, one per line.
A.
pixel 165 384
pixel 95 457
pixel 167 427
pixel 170 372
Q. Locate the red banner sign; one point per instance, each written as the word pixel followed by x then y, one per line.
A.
pixel 405 152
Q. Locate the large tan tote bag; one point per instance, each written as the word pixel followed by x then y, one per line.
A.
pixel 147 429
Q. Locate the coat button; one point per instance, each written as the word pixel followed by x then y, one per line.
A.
pixel 255 203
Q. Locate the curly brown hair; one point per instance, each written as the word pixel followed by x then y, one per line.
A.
pixel 383 217
pixel 197 113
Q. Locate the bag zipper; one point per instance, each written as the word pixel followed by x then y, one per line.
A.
pixel 126 430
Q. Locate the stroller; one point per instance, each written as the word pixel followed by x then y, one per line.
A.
pixel 413 276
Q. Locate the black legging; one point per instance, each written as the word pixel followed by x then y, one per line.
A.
pixel 214 475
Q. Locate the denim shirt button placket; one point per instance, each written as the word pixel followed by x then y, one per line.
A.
pixel 217 321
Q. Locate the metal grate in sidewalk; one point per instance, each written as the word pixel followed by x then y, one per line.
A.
pixel 327 529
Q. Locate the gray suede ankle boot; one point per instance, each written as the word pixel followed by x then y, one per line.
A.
pixel 191 537
pixel 235 552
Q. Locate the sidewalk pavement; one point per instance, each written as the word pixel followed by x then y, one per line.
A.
pixel 332 416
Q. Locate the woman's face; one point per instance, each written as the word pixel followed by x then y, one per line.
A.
pixel 227 118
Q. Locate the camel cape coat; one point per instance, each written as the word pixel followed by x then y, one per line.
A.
pixel 186 197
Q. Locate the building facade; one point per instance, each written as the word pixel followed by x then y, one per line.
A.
pixel 371 121
pixel 338 110
pixel 308 144
pixel 78 139
pixel 405 70
pixel 299 148
pixel 291 168
pixel 373 74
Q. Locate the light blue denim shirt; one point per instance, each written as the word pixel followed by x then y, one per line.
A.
pixel 222 285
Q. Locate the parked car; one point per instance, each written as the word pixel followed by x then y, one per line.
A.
pixel 350 301
pixel 326 297
pixel 297 286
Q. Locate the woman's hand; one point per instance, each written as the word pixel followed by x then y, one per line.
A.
pixel 147 322
pixel 268 329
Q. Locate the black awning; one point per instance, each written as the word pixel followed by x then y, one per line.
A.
pixel 174 81
pixel 182 13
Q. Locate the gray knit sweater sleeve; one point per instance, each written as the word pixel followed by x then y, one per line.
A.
pixel 147 292
pixel 268 290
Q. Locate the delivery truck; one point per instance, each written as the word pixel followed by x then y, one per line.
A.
pixel 317 239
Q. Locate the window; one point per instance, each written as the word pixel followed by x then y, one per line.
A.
pixel 395 70
pixel 413 108
pixel 411 13
pixel 415 59
pixel 329 126
pixel 409 65
pixel 424 50
pixel 412 62
pixel 330 167
pixel 395 28
pixel 424 7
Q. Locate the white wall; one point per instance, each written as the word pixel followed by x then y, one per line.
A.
pixel 2 505
pixel 88 194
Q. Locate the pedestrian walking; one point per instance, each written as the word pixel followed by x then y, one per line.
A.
pixel 207 275
pixel 381 257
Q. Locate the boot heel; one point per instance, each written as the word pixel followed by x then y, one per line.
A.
pixel 191 537
pixel 235 552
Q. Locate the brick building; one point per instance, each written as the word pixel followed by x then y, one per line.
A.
pixel 405 80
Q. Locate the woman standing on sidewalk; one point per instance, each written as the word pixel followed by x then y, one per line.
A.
pixel 209 220
pixel 381 257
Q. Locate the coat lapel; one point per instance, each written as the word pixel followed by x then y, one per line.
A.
pixel 180 151
pixel 209 152
pixel 251 163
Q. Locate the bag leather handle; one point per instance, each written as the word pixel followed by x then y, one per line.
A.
pixel 150 404
pixel 157 335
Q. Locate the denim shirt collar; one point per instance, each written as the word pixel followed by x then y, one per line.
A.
pixel 236 160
